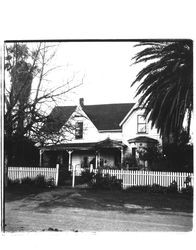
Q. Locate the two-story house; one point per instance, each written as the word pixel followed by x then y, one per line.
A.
pixel 97 135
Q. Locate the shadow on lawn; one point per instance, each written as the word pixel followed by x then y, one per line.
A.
pixel 44 200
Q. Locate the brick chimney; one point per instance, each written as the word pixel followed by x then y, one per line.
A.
pixel 81 101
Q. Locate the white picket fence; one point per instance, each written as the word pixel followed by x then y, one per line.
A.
pixel 129 177
pixel 143 178
pixel 32 172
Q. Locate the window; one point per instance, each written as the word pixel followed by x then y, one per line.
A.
pixel 141 124
pixel 79 130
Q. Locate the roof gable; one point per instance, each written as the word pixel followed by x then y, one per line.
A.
pixel 107 116
pixel 58 117
pixel 103 116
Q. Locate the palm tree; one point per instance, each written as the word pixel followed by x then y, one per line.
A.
pixel 166 84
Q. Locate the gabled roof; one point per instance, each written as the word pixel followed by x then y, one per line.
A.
pixel 58 117
pixel 107 116
pixel 104 116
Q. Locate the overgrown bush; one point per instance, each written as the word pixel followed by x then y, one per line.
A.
pixel 179 157
pixel 129 163
pixel 87 177
pixel 27 181
pixel 38 181
pixel 24 155
pixel 13 182
pixel 50 182
pixel 106 182
pixel 187 190
pixel 155 188
pixel 173 188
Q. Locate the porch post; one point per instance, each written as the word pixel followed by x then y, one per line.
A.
pixel 121 155
pixel 96 159
pixel 69 152
pixel 40 157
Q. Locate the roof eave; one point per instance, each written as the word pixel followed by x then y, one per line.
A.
pixel 127 116
pixel 109 130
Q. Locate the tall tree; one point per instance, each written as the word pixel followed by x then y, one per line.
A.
pixel 166 84
pixel 29 95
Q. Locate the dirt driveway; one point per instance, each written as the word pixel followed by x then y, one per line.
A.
pixel 66 209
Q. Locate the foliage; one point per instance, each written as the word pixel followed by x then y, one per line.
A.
pixel 129 162
pixel 187 190
pixel 188 181
pixel 15 182
pixel 87 176
pixel 27 181
pixel 147 189
pixel 166 84
pixel 106 182
pixel 39 181
pixel 50 182
pixel 23 155
pixel 173 188
pixel 179 157
pixel 28 96
pixel 155 188
pixel 27 99
pixel 151 154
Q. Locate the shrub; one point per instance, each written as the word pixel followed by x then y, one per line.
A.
pixel 179 157
pixel 87 176
pixel 187 190
pixel 40 181
pixel 137 189
pixel 147 189
pixel 173 188
pixel 27 181
pixel 50 182
pixel 106 182
pixel 13 182
pixel 187 181
pixel 129 163
pixel 155 188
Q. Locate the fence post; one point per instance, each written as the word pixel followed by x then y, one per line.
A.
pixel 57 175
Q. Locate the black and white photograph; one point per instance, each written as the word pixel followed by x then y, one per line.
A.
pixel 98 135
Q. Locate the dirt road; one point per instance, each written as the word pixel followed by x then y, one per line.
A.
pixel 80 211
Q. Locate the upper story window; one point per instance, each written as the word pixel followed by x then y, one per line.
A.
pixel 79 130
pixel 141 124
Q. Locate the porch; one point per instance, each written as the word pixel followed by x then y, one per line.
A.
pixel 107 153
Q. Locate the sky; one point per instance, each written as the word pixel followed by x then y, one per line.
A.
pixel 105 67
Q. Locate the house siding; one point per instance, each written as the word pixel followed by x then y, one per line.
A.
pixel 129 129
pixel 90 132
